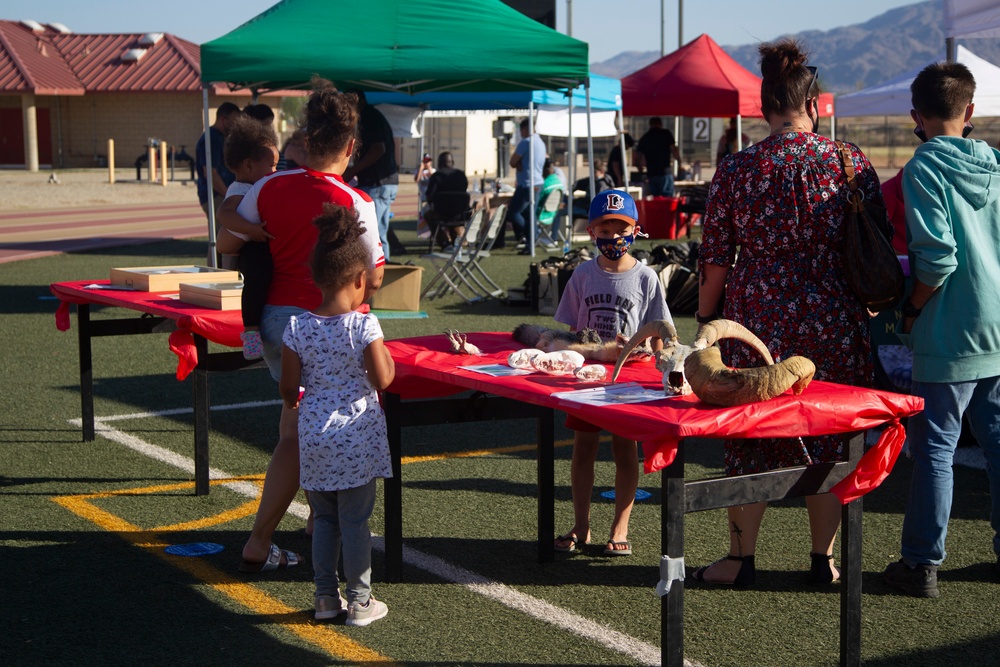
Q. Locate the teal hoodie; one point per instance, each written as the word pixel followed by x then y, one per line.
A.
pixel 951 190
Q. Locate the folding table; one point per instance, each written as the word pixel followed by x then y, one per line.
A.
pixel 190 328
pixel 428 376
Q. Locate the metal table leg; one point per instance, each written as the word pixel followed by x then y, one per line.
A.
pixel 86 371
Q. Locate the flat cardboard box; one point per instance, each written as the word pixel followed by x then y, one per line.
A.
pixel 220 296
pixel 169 278
pixel 400 288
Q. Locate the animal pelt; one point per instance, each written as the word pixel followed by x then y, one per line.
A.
pixel 586 341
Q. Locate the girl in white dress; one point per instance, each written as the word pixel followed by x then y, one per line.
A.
pixel 338 355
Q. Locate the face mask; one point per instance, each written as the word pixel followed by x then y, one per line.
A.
pixel 966 131
pixel 615 249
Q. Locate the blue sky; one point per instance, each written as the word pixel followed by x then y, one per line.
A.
pixel 609 26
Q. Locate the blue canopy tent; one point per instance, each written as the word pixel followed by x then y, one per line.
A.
pixel 557 109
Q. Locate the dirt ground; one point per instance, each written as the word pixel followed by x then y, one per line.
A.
pixel 20 189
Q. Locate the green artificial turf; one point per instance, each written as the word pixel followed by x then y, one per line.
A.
pixel 79 593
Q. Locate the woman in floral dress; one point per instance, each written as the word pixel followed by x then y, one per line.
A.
pixel 777 209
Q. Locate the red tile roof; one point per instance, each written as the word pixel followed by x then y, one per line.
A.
pixel 50 62
pixel 31 63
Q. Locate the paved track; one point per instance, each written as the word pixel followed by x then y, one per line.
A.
pixel 37 233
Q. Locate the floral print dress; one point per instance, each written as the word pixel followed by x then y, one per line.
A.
pixel 343 442
pixel 777 210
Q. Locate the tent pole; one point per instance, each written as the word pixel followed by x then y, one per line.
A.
pixel 208 181
pixel 571 148
pixel 590 142
pixel 531 177
pixel 833 128
pixel 621 142
pixel 739 133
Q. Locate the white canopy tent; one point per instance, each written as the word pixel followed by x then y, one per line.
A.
pixel 971 18
pixel 893 97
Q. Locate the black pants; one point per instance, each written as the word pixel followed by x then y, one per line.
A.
pixel 257 267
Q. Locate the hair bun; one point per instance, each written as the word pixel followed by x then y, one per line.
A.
pixel 778 59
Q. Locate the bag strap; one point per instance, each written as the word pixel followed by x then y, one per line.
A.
pixel 847 161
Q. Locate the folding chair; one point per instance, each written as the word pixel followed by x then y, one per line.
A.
pixel 550 204
pixel 448 263
pixel 472 265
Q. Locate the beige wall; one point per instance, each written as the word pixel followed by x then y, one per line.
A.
pixel 81 126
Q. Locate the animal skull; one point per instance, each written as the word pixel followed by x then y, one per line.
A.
pixel 698 367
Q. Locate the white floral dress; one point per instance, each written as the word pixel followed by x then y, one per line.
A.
pixel 342 435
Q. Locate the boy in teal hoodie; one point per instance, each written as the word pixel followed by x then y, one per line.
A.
pixel 951 320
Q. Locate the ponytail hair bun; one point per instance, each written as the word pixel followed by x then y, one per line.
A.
pixel 340 251
pixel 331 118
pixel 785 81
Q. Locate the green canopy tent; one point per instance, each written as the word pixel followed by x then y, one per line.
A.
pixel 393 45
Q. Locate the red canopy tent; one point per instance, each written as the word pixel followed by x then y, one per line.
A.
pixel 698 79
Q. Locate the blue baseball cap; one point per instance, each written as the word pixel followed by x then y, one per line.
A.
pixel 614 204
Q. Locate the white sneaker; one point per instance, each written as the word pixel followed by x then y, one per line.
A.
pixel 328 606
pixel 360 615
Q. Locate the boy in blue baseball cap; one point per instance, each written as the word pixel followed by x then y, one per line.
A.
pixel 614 294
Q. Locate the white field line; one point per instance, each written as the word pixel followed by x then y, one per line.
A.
pixel 539 609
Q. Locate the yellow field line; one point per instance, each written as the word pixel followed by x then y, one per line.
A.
pixel 320 635
pixel 254 599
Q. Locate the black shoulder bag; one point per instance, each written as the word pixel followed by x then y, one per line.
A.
pixel 870 264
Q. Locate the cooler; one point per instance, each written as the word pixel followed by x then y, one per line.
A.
pixel 658 216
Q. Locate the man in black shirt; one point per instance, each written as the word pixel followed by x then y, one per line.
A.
pixel 658 151
pixel 377 171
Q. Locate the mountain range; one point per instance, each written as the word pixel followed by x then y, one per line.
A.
pixel 849 57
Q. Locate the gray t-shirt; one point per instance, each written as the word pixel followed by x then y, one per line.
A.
pixel 612 303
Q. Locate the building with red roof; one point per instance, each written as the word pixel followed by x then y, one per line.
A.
pixel 63 95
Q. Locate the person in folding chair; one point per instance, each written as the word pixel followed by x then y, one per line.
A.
pixel 547 209
pixel 448 202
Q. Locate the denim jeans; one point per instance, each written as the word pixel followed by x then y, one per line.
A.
pixel 933 437
pixel 341 522
pixel 519 210
pixel 273 322
pixel 382 196
pixel 661 186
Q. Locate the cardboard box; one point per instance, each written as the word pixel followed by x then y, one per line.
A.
pixel 400 288
pixel 169 278
pixel 220 296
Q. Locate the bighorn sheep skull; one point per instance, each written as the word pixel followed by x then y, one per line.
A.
pixel 698 367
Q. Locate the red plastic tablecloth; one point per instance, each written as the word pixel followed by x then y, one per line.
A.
pixel 425 368
pixel 219 326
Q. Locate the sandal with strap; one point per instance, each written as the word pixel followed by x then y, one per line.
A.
pixel 745 578
pixel 573 540
pixel 820 573
pixel 273 561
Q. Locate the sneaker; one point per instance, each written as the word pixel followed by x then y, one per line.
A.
pixel 521 245
pixel 360 615
pixel 550 246
pixel 328 606
pixel 919 581
pixel 253 348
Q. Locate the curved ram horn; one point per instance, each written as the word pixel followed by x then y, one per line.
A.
pixel 711 333
pixel 714 383
pixel 663 329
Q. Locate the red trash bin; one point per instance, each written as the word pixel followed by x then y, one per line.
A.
pixel 658 216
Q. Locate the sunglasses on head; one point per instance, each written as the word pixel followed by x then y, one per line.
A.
pixel 815 74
